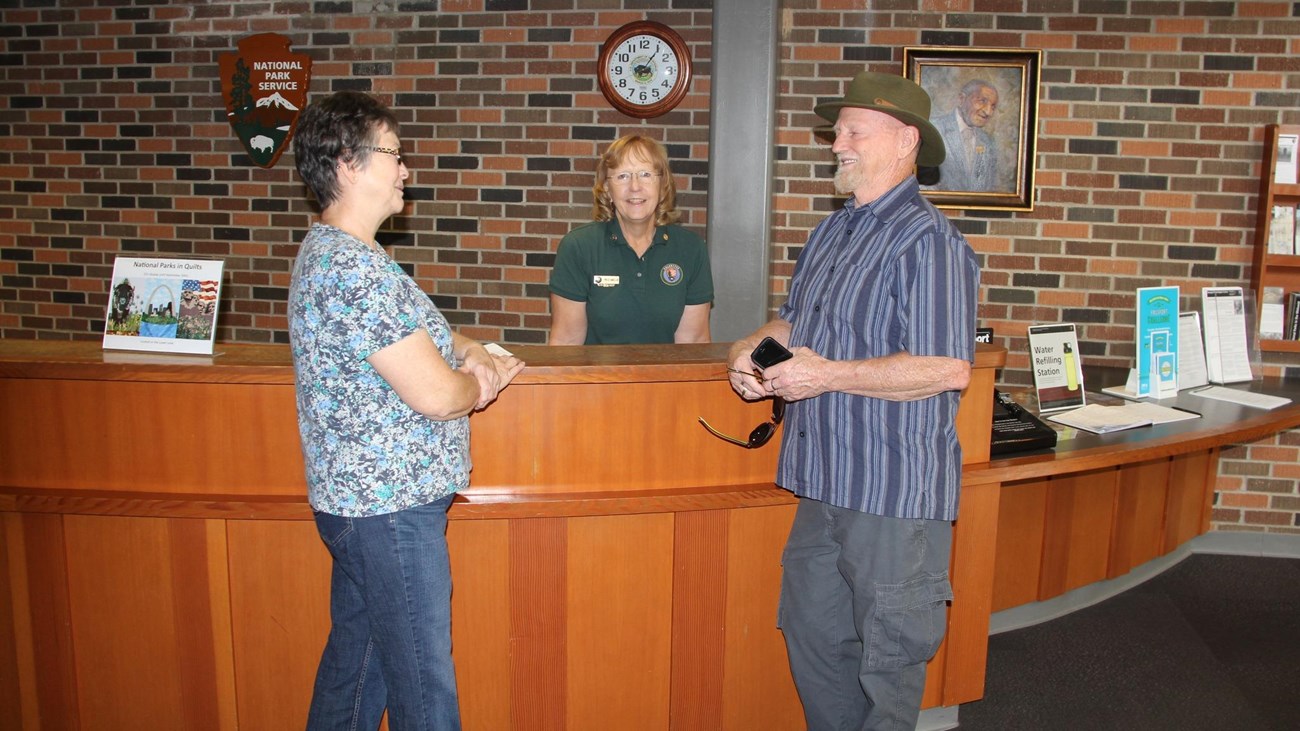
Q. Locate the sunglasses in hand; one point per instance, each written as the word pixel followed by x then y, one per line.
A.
pixel 761 434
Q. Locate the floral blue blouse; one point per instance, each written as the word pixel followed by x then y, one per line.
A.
pixel 366 451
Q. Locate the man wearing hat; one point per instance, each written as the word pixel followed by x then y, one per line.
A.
pixel 881 321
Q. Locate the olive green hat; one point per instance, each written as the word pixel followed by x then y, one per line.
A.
pixel 900 98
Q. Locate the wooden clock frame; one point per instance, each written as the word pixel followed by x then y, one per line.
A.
pixel 665 34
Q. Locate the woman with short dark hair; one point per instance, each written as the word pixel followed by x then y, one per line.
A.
pixel 384 389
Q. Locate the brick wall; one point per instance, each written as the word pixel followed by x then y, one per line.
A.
pixel 113 140
pixel 117 142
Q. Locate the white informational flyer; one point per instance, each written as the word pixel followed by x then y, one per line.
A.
pixel 1191 352
pixel 1227 358
pixel 1285 172
pixel 1101 419
pixel 1272 313
pixel 1058 373
pixel 1281 229
pixel 163 305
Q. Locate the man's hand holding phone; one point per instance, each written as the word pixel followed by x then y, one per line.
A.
pixel 747 369
pixel 769 353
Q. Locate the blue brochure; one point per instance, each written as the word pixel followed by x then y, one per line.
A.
pixel 1157 337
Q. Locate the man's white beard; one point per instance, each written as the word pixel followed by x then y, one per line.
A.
pixel 849 179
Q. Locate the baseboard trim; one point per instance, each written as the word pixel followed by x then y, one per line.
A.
pixel 1273 545
pixel 1241 543
pixel 939 718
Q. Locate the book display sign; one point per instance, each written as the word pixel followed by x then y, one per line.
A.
pixel 1058 375
pixel 163 305
pixel 1157 341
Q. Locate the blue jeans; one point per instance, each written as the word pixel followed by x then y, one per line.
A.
pixel 863 607
pixel 390 642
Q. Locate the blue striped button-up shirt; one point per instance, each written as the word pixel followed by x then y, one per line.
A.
pixel 892 275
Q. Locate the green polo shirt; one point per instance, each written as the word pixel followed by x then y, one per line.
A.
pixel 632 299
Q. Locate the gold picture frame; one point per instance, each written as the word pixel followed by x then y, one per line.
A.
pixel 985 104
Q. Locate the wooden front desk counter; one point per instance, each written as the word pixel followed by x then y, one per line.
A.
pixel 614 565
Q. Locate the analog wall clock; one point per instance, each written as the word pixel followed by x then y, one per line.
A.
pixel 644 69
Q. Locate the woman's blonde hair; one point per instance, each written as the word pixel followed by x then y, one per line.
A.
pixel 602 207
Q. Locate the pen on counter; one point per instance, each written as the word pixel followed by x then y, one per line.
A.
pixel 1185 411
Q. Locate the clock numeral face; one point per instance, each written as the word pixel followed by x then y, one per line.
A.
pixel 643 69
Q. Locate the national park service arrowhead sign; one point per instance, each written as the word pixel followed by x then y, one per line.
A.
pixel 265 88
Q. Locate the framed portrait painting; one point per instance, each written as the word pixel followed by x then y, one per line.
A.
pixel 984 102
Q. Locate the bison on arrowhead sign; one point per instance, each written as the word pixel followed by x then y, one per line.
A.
pixel 265 88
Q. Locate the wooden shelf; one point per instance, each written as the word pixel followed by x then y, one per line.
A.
pixel 1280 346
pixel 1281 260
pixel 1286 190
pixel 1274 270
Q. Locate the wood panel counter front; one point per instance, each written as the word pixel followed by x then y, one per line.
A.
pixel 615 566
pixel 1099 506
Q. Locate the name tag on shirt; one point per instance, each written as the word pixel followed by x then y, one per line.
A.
pixel 605 280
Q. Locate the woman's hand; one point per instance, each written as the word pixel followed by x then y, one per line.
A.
pixel 424 380
pixel 506 367
pixel 492 372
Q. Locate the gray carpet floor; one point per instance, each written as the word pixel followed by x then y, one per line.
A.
pixel 1211 643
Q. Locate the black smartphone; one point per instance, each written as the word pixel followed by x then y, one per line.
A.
pixel 769 353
